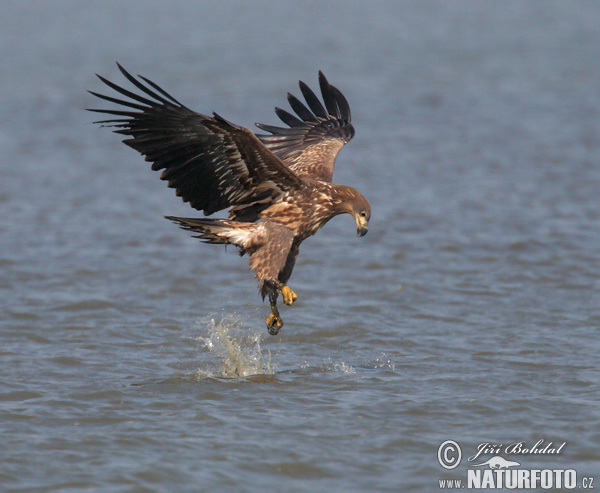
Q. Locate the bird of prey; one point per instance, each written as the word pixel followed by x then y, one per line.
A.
pixel 277 186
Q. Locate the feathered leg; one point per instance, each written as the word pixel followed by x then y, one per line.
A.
pixel 271 254
pixel 288 295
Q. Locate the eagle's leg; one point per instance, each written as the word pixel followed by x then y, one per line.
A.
pixel 274 321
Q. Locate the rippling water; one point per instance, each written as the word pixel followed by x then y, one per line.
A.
pixel 134 358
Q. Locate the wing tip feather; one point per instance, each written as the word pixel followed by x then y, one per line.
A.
pixel 334 115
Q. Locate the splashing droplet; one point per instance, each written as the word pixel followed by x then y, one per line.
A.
pixel 237 348
pixel 344 367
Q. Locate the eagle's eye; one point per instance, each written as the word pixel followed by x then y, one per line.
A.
pixel 363 214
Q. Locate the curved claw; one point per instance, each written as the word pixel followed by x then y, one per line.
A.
pixel 274 323
pixel 288 295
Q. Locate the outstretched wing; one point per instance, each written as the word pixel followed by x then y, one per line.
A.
pixel 311 143
pixel 210 162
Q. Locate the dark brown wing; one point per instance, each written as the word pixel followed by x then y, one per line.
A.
pixel 210 162
pixel 309 147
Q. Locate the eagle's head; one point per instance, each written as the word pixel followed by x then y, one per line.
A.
pixel 351 201
pixel 361 210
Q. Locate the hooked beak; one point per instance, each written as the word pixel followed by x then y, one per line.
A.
pixel 362 225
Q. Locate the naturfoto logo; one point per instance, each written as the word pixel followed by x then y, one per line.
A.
pixel 492 467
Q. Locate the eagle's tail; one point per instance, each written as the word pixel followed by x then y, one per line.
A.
pixel 221 231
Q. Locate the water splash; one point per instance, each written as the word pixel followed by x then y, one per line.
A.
pixel 236 347
pixel 383 361
pixel 344 367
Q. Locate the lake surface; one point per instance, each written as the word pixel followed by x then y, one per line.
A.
pixel 134 358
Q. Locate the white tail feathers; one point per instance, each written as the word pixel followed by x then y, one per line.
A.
pixel 219 230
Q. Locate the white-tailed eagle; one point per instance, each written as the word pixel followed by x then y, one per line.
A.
pixel 277 186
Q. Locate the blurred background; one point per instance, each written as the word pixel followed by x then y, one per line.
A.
pixel 135 358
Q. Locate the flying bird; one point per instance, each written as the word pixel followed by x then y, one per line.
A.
pixel 277 186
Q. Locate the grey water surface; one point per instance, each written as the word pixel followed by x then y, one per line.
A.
pixel 134 358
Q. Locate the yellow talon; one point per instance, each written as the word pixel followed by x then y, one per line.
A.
pixel 288 295
pixel 274 320
pixel 274 323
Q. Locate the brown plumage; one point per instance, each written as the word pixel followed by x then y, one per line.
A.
pixel 277 187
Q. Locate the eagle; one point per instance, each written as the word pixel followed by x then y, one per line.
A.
pixel 276 186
